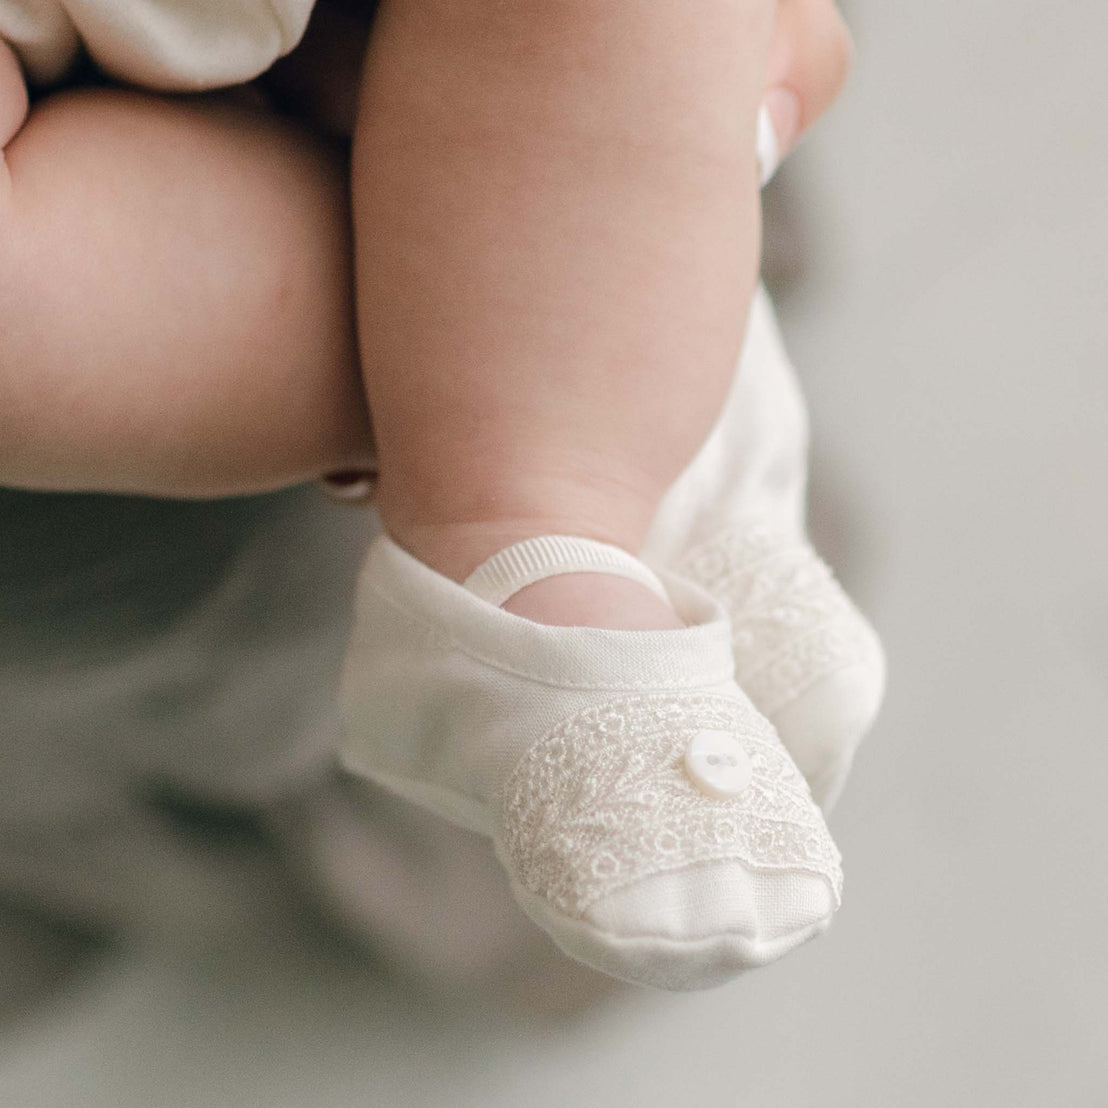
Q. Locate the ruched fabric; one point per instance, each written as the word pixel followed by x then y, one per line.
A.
pixel 166 45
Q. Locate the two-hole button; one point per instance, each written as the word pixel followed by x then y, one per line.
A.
pixel 718 765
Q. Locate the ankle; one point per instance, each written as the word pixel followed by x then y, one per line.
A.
pixel 455 527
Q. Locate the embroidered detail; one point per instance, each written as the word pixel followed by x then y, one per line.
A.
pixel 791 623
pixel 603 801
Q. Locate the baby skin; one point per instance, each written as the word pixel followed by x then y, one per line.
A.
pixel 178 285
pixel 554 241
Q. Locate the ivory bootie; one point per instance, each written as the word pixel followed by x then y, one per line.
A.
pixel 647 815
pixel 734 524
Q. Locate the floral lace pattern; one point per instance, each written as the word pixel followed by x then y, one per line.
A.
pixel 603 801
pixel 792 624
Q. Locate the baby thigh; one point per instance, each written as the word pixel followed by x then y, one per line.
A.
pixel 175 296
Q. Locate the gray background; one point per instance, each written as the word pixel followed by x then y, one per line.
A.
pixel 952 337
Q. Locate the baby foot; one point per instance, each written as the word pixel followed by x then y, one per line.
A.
pixel 647 815
pixel 804 654
pixel 734 523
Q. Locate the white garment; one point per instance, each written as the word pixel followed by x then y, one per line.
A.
pixel 734 523
pixel 168 45
pixel 569 747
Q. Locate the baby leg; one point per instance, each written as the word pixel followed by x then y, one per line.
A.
pixel 557 231
pixel 556 238
pixel 175 290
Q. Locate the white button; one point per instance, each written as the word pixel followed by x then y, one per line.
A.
pixel 717 764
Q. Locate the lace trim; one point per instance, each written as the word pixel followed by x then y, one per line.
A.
pixel 603 801
pixel 792 624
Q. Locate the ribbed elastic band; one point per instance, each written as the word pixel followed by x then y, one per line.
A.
pixel 524 563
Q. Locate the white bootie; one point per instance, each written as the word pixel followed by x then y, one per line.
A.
pixel 734 524
pixel 648 816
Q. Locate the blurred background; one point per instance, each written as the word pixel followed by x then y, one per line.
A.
pixel 940 252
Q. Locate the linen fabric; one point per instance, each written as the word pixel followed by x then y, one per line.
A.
pixel 734 522
pixel 566 746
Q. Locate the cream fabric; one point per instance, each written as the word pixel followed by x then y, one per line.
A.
pixel 171 45
pixel 565 745
pixel 734 523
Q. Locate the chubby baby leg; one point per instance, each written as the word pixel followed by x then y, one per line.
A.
pixel 175 296
pixel 557 237
pixel 556 223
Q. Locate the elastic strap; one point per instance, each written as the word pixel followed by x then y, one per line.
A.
pixel 524 563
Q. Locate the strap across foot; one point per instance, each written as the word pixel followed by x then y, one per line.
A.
pixel 525 563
